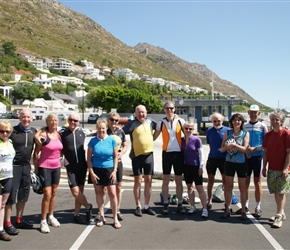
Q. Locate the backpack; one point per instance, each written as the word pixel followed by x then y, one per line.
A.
pixel 218 195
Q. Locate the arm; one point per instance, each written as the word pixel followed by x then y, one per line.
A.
pixel 156 134
pixel 36 152
pixel 286 164
pixel 200 154
pixel 265 161
pixel 94 177
pixel 223 146
pixel 243 148
pixel 124 150
pixel 113 174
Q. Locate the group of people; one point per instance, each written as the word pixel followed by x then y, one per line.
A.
pixel 240 148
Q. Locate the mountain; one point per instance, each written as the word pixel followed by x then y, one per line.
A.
pixel 50 29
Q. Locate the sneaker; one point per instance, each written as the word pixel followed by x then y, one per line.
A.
pixel 11 230
pixel 243 216
pixel 192 210
pixel 78 219
pixel 138 211
pixel 149 211
pixel 258 212
pixel 181 209
pixel 239 211
pixel 44 228
pixel 89 212
pixel 272 219
pixel 204 213
pixel 53 222
pixel 23 225
pixel 278 221
pixel 5 236
pixel 120 216
pixel 165 209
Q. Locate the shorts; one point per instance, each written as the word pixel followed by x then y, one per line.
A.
pixel 104 176
pixel 170 159
pixel 277 184
pixel 5 186
pixel 20 184
pixel 254 165
pixel 120 172
pixel 190 173
pixel 213 164
pixel 76 176
pixel 145 162
pixel 49 177
pixel 231 168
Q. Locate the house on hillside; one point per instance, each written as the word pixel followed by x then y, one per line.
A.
pixel 64 97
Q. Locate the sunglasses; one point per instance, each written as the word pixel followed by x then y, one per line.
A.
pixel 188 129
pixel 5 131
pixel 171 108
pixel 113 120
pixel 216 121
pixel 73 120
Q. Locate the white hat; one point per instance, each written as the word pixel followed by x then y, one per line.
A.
pixel 254 107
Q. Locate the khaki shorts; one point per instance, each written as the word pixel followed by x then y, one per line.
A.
pixel 277 184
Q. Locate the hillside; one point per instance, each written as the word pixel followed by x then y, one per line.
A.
pixel 50 29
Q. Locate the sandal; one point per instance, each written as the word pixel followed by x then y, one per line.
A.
pixel 100 221
pixel 117 225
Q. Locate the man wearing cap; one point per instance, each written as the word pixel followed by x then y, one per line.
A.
pixel 257 131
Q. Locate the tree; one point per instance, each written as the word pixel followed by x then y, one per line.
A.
pixel 9 48
pixel 58 88
pixel 27 92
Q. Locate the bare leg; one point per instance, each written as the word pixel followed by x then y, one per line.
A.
pixel 137 189
pixel 165 188
pixel 147 188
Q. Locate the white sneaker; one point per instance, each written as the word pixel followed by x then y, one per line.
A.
pixel 272 219
pixel 53 222
pixel 44 228
pixel 192 210
pixel 204 213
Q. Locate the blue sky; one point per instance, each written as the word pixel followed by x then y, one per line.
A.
pixel 244 42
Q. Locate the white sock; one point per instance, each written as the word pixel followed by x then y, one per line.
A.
pixel 247 203
pixel 43 222
pixel 146 206
pixel 258 205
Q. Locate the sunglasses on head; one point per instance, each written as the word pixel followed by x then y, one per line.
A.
pixel 73 120
pixel 188 129
pixel 171 108
pixel 5 131
pixel 113 120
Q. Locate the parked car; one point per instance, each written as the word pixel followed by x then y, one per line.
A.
pixel 103 116
pixel 62 117
pixel 13 114
pixel 93 118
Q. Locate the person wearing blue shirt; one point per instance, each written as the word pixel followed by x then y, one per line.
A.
pixel 216 159
pixel 102 163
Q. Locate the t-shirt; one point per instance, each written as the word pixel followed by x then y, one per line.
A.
pixel 103 152
pixel 7 154
pixel 276 144
pixel 190 150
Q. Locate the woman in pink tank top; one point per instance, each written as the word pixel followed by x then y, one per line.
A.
pixel 47 166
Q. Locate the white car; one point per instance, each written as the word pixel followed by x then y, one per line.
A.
pixel 62 117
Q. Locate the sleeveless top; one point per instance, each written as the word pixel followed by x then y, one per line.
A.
pixel 7 154
pixel 50 154
pixel 238 157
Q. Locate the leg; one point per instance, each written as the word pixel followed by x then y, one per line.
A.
pixel 191 194
pixel 147 188
pixel 113 201
pixel 52 198
pixel 137 189
pixel 47 191
pixel 179 187
pixel 258 189
pixel 80 198
pixel 202 195
pixel 229 190
pixel 119 194
pixel 243 193
pixel 99 191
pixel 165 189
pixel 280 200
pixel 210 183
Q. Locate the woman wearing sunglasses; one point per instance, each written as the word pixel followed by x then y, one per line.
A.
pixel 7 154
pixel 193 167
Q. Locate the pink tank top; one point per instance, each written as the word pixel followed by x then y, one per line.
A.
pixel 50 154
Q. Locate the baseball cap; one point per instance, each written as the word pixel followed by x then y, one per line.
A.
pixel 254 107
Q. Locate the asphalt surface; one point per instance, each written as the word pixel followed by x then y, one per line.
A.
pixel 173 231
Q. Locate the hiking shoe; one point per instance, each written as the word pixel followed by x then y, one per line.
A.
pixel 204 213
pixel 44 228
pixel 258 212
pixel 243 216
pixel 53 222
pixel 11 230
pixel 273 218
pixel 89 212
pixel 192 210
pixel 5 236
pixel 78 219
pixel 278 221
pixel 138 211
pixel 23 225
pixel 181 209
pixel 165 209
pixel 149 211
pixel 239 211
pixel 120 216
pixel 225 215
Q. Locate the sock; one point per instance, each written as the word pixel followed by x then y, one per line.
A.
pixel 50 216
pixel 258 205
pixel 43 222
pixel 1 229
pixel 7 223
pixel 247 203
pixel 146 206
pixel 18 219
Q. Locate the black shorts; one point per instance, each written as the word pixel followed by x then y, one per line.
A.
pixel 76 176
pixel 254 165
pixel 49 177
pixel 170 159
pixel 5 186
pixel 145 162
pixel 20 184
pixel 104 176
pixel 213 164
pixel 231 168
pixel 120 172
pixel 190 173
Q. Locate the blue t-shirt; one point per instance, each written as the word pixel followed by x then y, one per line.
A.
pixel 103 152
pixel 214 138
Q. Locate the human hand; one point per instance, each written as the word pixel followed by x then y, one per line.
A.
pixel 264 172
